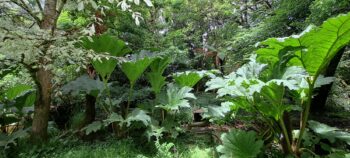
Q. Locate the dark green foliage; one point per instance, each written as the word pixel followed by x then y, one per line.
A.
pixel 85 85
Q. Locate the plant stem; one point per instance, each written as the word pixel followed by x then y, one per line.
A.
pixel 305 113
pixel 286 136
pixel 129 99
pixel 308 150
pixel 108 91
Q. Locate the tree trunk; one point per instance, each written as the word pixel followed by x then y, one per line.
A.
pixel 42 106
pixel 43 78
pixel 90 100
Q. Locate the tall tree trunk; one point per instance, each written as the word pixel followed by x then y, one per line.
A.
pixel 90 101
pixel 42 106
pixel 43 78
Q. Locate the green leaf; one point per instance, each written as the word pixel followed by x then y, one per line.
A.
pixel 93 127
pixel 176 97
pixel 155 77
pixel 325 42
pixel 135 116
pixel 106 44
pixel 187 78
pixel 191 78
pixel 25 100
pixel 83 84
pixel 157 81
pixel 138 115
pixel 321 45
pixel 134 69
pixel 148 2
pixel 330 133
pixel 270 100
pixel 17 90
pixel 216 111
pixel 240 144
pixel 160 64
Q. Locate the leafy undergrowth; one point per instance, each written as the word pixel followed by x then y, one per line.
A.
pixel 185 146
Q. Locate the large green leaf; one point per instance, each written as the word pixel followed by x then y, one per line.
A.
pixel 240 144
pixel 160 64
pixel 314 48
pixel 155 77
pixel 134 69
pixel 25 100
pixel 187 78
pixel 83 84
pixel 325 42
pixel 157 81
pixel 270 100
pixel 191 78
pixel 20 96
pixel 93 127
pixel 105 44
pixel 135 116
pixel 176 97
pixel 17 90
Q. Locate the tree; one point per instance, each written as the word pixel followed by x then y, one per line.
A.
pixel 42 46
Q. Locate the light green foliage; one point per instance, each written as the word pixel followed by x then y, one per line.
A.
pixel 216 111
pixel 188 79
pixel 65 21
pixel 136 115
pixel 191 78
pixel 176 98
pixel 240 144
pixel 330 133
pixel 243 83
pixel 155 77
pixel 134 69
pixel 319 43
pixel 110 45
pixel 84 84
pixel 164 150
pixel 19 96
pixel 14 92
pixel 270 100
pixel 157 81
pixel 93 127
pixel 24 45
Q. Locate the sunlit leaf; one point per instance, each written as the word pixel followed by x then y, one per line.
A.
pixel 134 69
pixel 240 144
pixel 106 44
pixel 176 97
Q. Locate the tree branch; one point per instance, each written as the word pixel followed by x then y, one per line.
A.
pixel 24 6
pixel 39 5
pixel 59 10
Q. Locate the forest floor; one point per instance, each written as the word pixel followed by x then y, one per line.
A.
pixel 196 142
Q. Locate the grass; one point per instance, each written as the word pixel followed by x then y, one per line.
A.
pixel 185 146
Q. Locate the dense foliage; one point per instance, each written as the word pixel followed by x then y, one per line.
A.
pixel 171 78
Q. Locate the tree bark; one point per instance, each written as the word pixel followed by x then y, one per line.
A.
pixel 41 106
